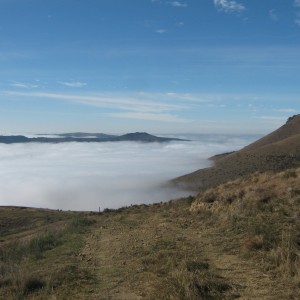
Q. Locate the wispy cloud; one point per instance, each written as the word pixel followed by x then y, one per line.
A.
pixel 297 3
pixel 151 117
pixel 273 15
pixel 229 6
pixel 138 103
pixel 73 84
pixel 286 110
pixel 161 31
pixel 297 19
pixel 24 85
pixel 276 119
pixel 178 4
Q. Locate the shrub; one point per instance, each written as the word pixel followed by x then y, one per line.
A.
pixel 80 223
pixel 193 266
pixel 253 243
pixel 43 243
pixel 184 285
pixel 33 284
pixel 286 254
pixel 290 174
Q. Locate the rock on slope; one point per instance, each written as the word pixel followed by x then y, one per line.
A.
pixel 276 151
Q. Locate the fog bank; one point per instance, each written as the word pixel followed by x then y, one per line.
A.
pixel 86 176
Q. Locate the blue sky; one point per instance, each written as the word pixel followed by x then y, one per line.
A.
pixel 162 66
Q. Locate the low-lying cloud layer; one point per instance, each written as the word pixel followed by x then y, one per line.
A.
pixel 86 176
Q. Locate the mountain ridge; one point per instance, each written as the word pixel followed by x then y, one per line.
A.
pixel 276 151
pixel 82 137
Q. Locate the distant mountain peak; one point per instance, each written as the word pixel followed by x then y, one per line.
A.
pixel 138 134
pixel 293 119
pixel 88 137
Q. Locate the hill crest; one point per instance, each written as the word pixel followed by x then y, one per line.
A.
pixel 276 151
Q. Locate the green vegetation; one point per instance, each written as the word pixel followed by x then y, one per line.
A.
pixel 29 262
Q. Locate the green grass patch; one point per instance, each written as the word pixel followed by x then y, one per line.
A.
pixel 25 264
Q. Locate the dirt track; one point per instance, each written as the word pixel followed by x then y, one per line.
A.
pixel 118 246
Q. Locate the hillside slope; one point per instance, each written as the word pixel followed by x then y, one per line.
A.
pixel 237 241
pixel 277 151
pixel 290 128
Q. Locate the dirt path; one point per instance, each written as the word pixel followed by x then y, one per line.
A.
pixel 119 245
pixel 247 278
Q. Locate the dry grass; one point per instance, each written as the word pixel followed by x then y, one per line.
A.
pixel 263 210
pixel 186 283
pixel 28 253
pixel 240 239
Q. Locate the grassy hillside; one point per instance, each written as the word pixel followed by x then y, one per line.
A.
pixel 278 151
pixel 261 212
pixel 38 252
pixel 237 241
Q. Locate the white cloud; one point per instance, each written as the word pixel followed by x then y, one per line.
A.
pixel 178 4
pixel 229 6
pixel 161 31
pixel 273 15
pixel 297 20
pixel 188 97
pixel 20 85
pixel 297 3
pixel 137 103
pixel 73 84
pixel 277 120
pixel 179 24
pixel 151 117
pixel 286 110
pixel 81 176
pixel 24 85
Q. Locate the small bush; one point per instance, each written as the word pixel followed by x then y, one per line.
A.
pixel 286 254
pixel 33 284
pixel 185 285
pixel 190 199
pixel 164 245
pixel 194 266
pixel 67 275
pixel 80 223
pixel 253 243
pixel 295 192
pixel 43 243
pixel 290 174
pixel 13 252
pixel 108 210
pixel 209 198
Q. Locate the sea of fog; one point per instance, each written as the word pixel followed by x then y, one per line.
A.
pixel 86 176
